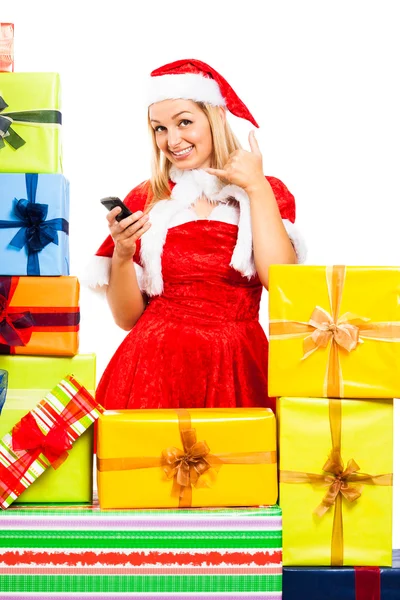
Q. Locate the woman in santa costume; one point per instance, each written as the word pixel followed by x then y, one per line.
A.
pixel 185 272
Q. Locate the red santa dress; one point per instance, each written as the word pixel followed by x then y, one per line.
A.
pixel 199 342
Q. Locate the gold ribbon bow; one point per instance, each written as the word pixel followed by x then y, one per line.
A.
pixel 187 467
pixel 192 466
pixel 344 332
pixel 338 482
pixel 324 329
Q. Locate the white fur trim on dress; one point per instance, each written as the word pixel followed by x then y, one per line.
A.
pixel 96 274
pixel 189 86
pixel 152 244
pixel 297 240
pixel 242 257
pixel 191 185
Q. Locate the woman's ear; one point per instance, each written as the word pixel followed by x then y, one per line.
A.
pixel 222 113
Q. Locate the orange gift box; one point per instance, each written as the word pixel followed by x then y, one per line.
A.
pixel 39 315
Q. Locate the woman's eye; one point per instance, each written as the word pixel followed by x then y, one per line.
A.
pixel 159 128
pixel 185 122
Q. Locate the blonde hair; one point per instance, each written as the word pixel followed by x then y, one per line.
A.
pixel 224 143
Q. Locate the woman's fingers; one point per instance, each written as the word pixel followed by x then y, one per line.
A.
pixel 142 230
pixel 112 214
pixel 127 227
pixel 126 232
pixel 133 228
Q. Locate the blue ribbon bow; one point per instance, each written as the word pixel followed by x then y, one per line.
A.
pixel 35 233
pixel 3 387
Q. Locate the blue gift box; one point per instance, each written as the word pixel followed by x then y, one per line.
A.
pixel 34 213
pixel 339 583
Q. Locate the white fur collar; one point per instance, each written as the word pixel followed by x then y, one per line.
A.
pixel 190 185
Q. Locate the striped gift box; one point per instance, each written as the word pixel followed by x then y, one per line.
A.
pixel 66 412
pixel 186 553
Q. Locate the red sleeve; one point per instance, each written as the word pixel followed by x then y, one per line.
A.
pixel 135 200
pixel 284 199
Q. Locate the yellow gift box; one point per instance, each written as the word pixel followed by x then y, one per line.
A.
pixel 335 481
pixel 334 331
pixel 182 458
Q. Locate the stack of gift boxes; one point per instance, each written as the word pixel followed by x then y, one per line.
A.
pixel 39 300
pixel 334 363
pixel 186 497
pixel 172 459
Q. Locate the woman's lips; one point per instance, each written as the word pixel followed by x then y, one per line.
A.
pixel 182 153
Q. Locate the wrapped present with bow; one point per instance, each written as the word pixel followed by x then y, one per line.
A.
pixel 6 47
pixel 30 123
pixel 335 481
pixel 39 315
pixel 181 458
pixel 334 331
pixel 346 583
pixel 34 214
pixel 44 436
pixel 29 380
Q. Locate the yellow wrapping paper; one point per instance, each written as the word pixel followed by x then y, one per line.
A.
pixel 242 452
pixel 305 445
pixel 334 331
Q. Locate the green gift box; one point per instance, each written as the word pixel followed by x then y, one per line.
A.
pixel 30 123
pixel 29 379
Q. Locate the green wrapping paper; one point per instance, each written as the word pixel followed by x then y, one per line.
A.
pixel 29 379
pixel 223 553
pixel 30 123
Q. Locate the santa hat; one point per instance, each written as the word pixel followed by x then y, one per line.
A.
pixel 192 79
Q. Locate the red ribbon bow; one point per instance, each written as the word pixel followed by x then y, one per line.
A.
pixel 27 435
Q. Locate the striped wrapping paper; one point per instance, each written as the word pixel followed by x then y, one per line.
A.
pixel 83 552
pixel 68 406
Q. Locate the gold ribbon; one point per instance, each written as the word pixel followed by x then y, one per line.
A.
pixel 192 466
pixel 339 482
pixel 325 329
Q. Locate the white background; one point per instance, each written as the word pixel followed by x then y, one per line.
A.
pixel 321 79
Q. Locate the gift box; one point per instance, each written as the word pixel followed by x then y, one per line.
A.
pixel 30 121
pixel 6 47
pixel 40 315
pixel 335 481
pixel 334 331
pixel 212 553
pixel 330 583
pixel 3 388
pixel 44 436
pixel 30 378
pixel 34 214
pixel 198 457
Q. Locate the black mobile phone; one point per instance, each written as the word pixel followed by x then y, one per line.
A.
pixel 111 202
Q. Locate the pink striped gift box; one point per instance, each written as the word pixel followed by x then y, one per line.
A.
pixel 183 553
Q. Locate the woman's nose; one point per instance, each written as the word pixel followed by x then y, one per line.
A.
pixel 174 138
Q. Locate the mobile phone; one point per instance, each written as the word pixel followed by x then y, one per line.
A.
pixel 111 202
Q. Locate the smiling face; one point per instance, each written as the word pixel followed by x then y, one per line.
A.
pixel 182 133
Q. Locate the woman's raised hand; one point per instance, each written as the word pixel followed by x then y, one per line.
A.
pixel 243 168
pixel 126 233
